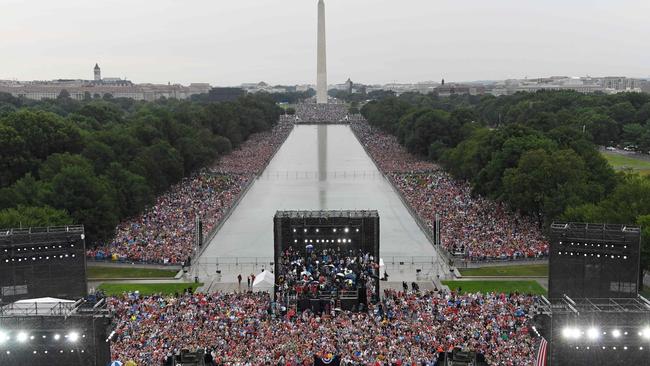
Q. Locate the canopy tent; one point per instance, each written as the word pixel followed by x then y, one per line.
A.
pixel 264 281
pixel 40 306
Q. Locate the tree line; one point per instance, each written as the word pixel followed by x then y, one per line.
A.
pixel 537 152
pixel 98 162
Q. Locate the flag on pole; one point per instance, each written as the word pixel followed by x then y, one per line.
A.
pixel 541 353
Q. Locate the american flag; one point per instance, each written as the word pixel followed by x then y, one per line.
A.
pixel 541 353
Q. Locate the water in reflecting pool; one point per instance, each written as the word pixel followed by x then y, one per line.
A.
pixel 320 167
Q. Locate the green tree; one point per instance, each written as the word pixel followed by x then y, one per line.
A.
pixel 27 216
pixel 132 192
pixel 44 133
pixel 89 199
pixel 160 164
pixel 543 184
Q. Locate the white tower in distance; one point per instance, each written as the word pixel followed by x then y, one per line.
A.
pixel 321 67
pixel 98 73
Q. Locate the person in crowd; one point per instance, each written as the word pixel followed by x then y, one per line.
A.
pixel 165 232
pixel 472 227
pixel 406 328
pixel 312 272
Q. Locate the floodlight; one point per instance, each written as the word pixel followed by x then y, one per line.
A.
pixel 73 336
pixel 646 332
pixel 346 230
pixel 571 333
pixel 593 333
pixel 57 337
pixel 616 333
pixel 3 337
pixel 22 337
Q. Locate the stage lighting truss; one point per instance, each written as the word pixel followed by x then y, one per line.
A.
pixel 595 250
pixel 592 333
pixel 21 337
pixel 4 337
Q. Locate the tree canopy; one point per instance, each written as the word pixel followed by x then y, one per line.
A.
pixel 537 152
pixel 98 161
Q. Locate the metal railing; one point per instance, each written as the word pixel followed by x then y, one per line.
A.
pixel 40 308
pixel 43 230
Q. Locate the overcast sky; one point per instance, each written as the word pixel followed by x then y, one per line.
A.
pixel 227 42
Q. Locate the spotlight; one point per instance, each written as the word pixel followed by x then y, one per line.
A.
pixel 593 333
pixel 334 230
pixel 346 230
pixel 645 333
pixel 316 230
pixel 616 333
pixel 571 333
pixel 22 337
pixel 57 337
pixel 3 337
pixel 73 336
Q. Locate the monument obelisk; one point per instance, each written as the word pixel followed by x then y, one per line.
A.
pixel 321 67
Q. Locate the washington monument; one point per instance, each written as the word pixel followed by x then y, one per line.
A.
pixel 321 68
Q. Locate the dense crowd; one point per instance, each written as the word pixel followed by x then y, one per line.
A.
pixel 310 272
pixel 321 113
pixel 387 152
pixel 165 232
pixel 247 329
pixel 471 226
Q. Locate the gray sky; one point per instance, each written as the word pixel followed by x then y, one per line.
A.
pixel 370 41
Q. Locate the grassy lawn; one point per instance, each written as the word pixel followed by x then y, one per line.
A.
pixel 619 162
pixel 146 288
pixel 525 287
pixel 519 271
pixel 127 272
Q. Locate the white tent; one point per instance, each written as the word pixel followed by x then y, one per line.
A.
pixel 40 306
pixel 264 281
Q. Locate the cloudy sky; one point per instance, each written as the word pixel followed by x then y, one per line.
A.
pixel 227 42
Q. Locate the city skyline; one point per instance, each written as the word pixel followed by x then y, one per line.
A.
pixel 382 43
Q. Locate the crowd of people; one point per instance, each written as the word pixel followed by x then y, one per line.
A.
pixel 248 329
pixel 321 113
pixel 310 273
pixel 473 227
pixel 165 232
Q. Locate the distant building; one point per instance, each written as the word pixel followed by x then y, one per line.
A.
pixel 98 73
pixel 446 90
pixel 98 87
pixel 608 85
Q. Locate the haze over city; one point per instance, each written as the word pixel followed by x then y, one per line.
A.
pixel 380 41
pixel 324 183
